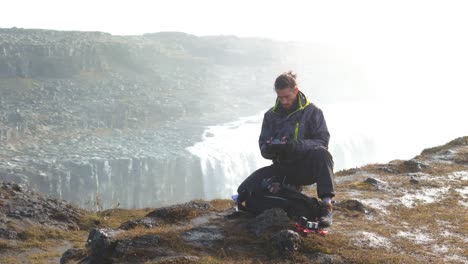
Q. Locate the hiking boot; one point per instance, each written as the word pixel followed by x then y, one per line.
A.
pixel 326 215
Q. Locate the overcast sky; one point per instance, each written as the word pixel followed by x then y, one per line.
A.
pixel 323 21
pixel 403 44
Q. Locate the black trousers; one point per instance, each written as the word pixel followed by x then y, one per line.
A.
pixel 315 167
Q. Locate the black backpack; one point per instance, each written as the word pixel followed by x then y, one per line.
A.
pixel 254 197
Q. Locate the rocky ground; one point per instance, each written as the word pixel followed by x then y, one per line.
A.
pixel 412 211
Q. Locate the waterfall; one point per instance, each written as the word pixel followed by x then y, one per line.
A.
pixel 360 134
pixel 228 153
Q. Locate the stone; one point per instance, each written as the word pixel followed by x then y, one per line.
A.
pixel 181 212
pixel 388 170
pixel 8 234
pixel 203 236
pixel 270 220
pixel 352 205
pixel 413 180
pixel 101 244
pixel 372 182
pixel 286 240
pixel 72 255
pixel 321 258
pixel 148 222
pixel 146 245
pixel 414 165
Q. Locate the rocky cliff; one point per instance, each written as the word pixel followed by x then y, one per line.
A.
pixel 85 115
pixel 406 211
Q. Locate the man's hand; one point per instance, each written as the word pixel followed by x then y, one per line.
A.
pixel 276 146
pixel 275 187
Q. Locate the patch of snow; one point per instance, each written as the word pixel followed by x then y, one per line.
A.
pixel 448 234
pixel 361 175
pixel 428 195
pixel 440 249
pixel 417 236
pixel 371 240
pixel 457 177
pixel 462 175
pixel 464 193
pixel 456 259
pixel 377 204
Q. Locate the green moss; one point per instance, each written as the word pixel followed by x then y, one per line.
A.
pixel 362 186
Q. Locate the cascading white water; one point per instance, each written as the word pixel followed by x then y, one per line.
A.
pixel 228 153
pixel 360 134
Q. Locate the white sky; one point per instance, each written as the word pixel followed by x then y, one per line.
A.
pixel 402 44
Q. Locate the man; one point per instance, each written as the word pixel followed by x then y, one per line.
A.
pixel 295 137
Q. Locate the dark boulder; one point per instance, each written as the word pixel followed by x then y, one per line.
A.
pixel 270 220
pixel 181 212
pixel 414 165
pixel 352 205
pixel 72 255
pixel 147 222
pixel 203 236
pixel 145 246
pixel 101 245
pixel 286 240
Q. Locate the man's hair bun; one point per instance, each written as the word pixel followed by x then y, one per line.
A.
pixel 286 80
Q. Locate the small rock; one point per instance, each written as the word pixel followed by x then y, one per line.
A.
pixel 372 182
pixel 415 165
pixel 203 236
pixel 413 180
pixel 147 245
pixel 179 259
pixel 322 258
pixel 101 244
pixel 388 170
pixel 274 218
pixel 72 255
pixel 8 234
pixel 353 205
pixel 286 240
pixel 182 212
pixel 147 222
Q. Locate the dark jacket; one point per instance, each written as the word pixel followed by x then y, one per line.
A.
pixel 304 125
